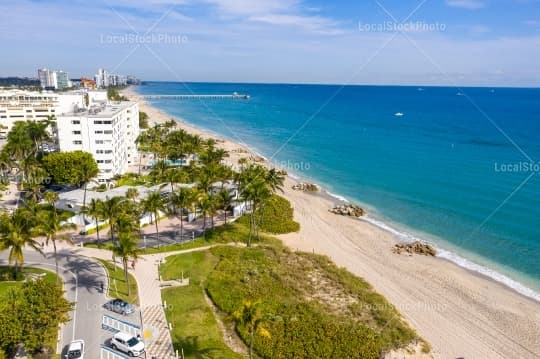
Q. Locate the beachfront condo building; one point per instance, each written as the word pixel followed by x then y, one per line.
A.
pixel 105 79
pixel 107 130
pixel 19 105
pixel 53 79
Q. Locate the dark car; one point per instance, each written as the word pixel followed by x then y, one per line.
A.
pixel 119 306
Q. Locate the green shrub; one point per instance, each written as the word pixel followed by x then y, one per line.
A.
pixel 275 217
pixel 299 325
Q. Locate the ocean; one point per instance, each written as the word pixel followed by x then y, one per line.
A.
pixel 456 167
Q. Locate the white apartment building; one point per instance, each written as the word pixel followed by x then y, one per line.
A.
pixel 102 78
pixel 108 131
pixel 19 105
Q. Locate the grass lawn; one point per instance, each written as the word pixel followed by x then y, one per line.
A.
pixel 195 329
pixel 119 290
pixel 6 282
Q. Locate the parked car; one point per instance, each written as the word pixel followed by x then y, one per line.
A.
pixel 75 350
pixel 127 343
pixel 119 306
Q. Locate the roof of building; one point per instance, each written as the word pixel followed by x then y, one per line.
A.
pixel 103 110
pixel 76 196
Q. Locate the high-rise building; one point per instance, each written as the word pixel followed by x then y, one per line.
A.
pixel 107 130
pixel 44 77
pixel 102 78
pixel 61 79
pixel 53 79
pixel 106 79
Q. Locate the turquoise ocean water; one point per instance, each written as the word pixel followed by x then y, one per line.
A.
pixel 459 168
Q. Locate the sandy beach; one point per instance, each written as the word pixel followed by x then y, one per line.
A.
pixel 460 313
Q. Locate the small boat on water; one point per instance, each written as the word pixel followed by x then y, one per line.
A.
pixel 399 114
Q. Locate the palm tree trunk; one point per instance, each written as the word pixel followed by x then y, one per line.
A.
pixel 126 276
pixel 173 204
pixel 181 223
pixel 84 197
pixel 250 229
pixel 55 259
pixel 156 220
pixel 97 232
pixel 112 231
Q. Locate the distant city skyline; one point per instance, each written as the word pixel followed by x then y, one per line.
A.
pixel 443 42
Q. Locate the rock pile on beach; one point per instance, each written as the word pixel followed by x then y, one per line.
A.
pixel 309 187
pixel 351 210
pixel 415 247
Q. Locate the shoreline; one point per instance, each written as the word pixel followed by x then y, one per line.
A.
pixel 346 241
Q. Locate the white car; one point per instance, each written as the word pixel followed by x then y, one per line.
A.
pixel 127 343
pixel 75 350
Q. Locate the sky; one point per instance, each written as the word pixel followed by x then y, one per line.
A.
pixel 429 42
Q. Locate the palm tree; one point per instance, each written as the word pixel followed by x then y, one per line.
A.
pixel 49 225
pixel 256 192
pixel 173 176
pixel 111 209
pixel 6 163
pixel 225 201
pixel 96 210
pixel 15 235
pixel 204 202
pixel 182 198
pixel 51 197
pixel 126 249
pixel 132 194
pixel 158 171
pixel 275 179
pixel 87 175
pixel 154 204
pixel 249 316
pixel 33 190
pixel 37 131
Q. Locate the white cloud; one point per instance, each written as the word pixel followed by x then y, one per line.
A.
pixel 315 24
pixel 466 4
pixel 253 7
pixel 277 13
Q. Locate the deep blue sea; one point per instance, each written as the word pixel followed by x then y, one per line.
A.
pixel 455 169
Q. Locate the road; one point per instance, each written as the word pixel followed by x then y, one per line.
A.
pixel 82 279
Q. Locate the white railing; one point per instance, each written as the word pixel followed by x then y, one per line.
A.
pixel 117 325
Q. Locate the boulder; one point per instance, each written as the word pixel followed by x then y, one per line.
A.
pixel 350 210
pixel 308 187
pixel 415 248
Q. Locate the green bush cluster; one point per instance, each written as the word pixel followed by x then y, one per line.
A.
pixel 275 216
pixel 301 327
pixel 31 315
